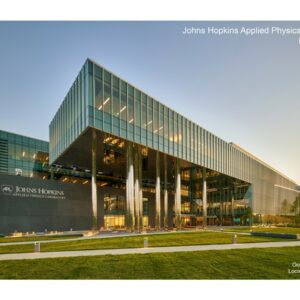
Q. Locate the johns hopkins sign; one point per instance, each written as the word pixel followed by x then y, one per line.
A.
pixel 29 204
pixel 25 191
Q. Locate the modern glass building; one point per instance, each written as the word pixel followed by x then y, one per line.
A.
pixel 118 158
pixel 108 126
pixel 23 156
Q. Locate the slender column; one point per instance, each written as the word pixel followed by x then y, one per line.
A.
pixel 140 176
pixel 157 193
pixel 129 189
pixel 204 198
pixel 221 205
pixel 166 225
pixel 177 195
pixel 138 193
pixel 94 180
pixel 136 190
pixel 232 205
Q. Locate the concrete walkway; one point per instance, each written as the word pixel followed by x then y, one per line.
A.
pixel 104 235
pixel 115 234
pixel 18 256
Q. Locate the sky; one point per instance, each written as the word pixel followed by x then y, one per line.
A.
pixel 244 89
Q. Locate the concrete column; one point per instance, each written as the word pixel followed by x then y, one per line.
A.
pixel 138 192
pixel 166 223
pixel 157 193
pixel 129 188
pixel 232 205
pixel 140 176
pixel 221 205
pixel 204 197
pixel 177 195
pixel 94 180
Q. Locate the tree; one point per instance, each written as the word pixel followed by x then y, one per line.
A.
pixel 285 207
pixel 295 208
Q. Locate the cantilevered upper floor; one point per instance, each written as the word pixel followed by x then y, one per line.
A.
pixel 102 100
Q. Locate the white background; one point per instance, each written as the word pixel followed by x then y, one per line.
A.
pixel 148 10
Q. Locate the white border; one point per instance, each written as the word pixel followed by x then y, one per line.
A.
pixel 149 10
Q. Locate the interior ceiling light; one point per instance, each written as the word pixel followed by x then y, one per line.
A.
pixel 123 109
pixel 106 100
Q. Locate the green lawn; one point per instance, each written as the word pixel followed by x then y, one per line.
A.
pixel 156 240
pixel 37 238
pixel 268 263
pixel 291 230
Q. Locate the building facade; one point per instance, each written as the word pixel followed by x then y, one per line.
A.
pixel 209 177
pixel 145 165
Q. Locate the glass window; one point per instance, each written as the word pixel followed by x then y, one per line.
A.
pixel 155 117
pixel 130 90
pixel 116 102
pixel 90 67
pixel 123 110
pixel 144 111
pixel 107 99
pixel 144 119
pixel 161 120
pixel 114 204
pixel 123 87
pixel 175 134
pixel 179 136
pixel 150 122
pixel 98 72
pixel 188 140
pixel 171 125
pixel 98 94
pixel 116 82
pixel 130 109
pixel 150 115
pixel 107 77
pixel 137 117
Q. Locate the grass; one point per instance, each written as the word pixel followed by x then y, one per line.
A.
pixel 267 263
pixel 156 240
pixel 292 230
pixel 37 238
